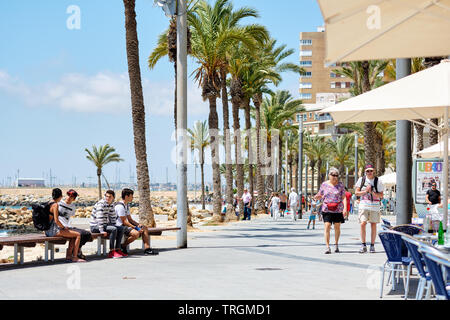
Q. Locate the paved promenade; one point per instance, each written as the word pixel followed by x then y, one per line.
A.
pixel 258 259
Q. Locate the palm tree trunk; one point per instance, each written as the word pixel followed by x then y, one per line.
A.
pixel 236 93
pixel 259 178
pixel 99 181
pixel 230 215
pixel 248 126
pixel 214 133
pixel 138 115
pixel 313 165
pixel 298 187
pixel 369 127
pixel 434 136
pixel 202 165
pixel 319 173
pixel 280 164
pixel 291 175
pixel 269 178
pixel 419 140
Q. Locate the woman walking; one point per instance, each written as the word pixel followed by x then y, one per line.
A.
pixel 334 207
pixel 275 206
pixel 58 229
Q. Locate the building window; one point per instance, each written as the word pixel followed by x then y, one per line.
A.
pixel 306 42
pixel 333 85
pixel 307 63
pixel 305 85
pixel 305 96
pixel 305 53
pixel 306 75
pixel 343 85
pixel 298 117
pixel 310 115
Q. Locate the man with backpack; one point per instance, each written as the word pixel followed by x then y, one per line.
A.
pixel 370 189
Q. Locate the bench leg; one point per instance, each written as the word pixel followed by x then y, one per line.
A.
pixel 99 244
pixel 22 254
pixel 52 253
pixel 16 247
pixel 46 251
pixel 104 246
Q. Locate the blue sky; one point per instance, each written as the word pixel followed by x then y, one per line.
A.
pixel 63 90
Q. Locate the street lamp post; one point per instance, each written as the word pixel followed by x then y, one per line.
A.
pixel 300 160
pixel 356 159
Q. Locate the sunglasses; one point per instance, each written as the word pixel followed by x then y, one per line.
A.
pixel 369 170
pixel 334 175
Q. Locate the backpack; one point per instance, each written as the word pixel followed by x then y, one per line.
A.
pixel 375 182
pixel 41 215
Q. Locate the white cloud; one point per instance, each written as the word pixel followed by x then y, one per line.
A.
pixel 104 92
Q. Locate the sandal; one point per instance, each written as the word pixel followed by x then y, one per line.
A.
pixel 78 260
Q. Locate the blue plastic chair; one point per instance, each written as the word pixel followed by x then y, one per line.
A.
pixel 434 261
pixel 386 222
pixel 408 229
pixel 413 246
pixel 392 243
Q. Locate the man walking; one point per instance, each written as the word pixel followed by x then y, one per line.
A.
pixel 370 189
pixel 294 203
pixel 247 199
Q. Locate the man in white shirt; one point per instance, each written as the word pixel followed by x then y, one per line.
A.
pixel 247 199
pixel 293 203
pixel 131 228
pixel 369 205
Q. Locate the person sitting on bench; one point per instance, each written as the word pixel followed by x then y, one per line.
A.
pixel 66 210
pixel 132 229
pixel 103 220
pixel 57 229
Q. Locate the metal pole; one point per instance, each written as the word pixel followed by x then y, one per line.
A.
pixel 286 163
pixel 346 177
pixel 182 123
pixel 300 161
pixel 404 158
pixel 275 180
pixel 356 159
pixel 446 172
pixel 306 182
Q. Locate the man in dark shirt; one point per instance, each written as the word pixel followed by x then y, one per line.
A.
pixel 433 195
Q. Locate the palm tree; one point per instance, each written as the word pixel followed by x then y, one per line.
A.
pixel 417 65
pixel 138 115
pixel 276 111
pixel 366 76
pixel 308 143
pixel 230 19
pixel 101 157
pixel 199 136
pixel 210 42
pixel 342 151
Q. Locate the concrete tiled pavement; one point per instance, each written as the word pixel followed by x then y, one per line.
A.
pixel 258 259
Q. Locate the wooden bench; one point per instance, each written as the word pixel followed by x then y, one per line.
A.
pixel 151 232
pixel 30 240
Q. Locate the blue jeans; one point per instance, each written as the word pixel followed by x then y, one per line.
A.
pixel 247 212
pixel 115 235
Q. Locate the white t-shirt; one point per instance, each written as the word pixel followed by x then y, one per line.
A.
pixel 293 199
pixel 366 203
pixel 246 197
pixel 65 211
pixel 275 203
pixel 121 212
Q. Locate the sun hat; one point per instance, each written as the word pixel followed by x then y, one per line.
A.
pixel 369 166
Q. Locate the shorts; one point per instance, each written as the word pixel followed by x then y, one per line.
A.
pixel 282 206
pixel 333 217
pixel 370 216
pixel 127 230
pixel 312 217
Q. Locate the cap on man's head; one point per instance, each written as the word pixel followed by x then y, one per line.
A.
pixel 369 166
